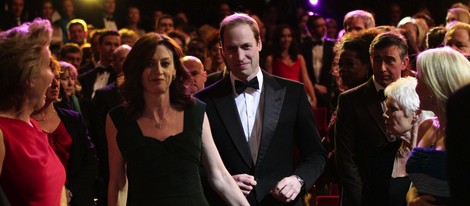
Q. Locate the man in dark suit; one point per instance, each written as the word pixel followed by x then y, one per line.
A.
pixel 365 153
pixel 257 130
pixel 457 143
pixel 104 73
pixel 318 53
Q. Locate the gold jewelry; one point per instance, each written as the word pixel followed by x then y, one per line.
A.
pixel 46 117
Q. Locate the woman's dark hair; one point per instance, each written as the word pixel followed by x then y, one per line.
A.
pixel 276 48
pixel 134 65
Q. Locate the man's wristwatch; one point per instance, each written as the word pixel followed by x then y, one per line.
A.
pixel 301 181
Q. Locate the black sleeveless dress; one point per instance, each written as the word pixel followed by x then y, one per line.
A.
pixel 162 172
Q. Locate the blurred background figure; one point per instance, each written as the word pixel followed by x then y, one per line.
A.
pixel 458 37
pixel 69 87
pixel 457 14
pixel 286 61
pixel 72 54
pixel 196 70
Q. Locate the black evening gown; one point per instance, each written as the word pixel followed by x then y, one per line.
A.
pixel 162 172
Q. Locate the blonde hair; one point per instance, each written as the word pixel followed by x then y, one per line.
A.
pixel 443 71
pixel 20 54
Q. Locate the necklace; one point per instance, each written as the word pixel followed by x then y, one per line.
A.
pixel 158 124
pixel 46 116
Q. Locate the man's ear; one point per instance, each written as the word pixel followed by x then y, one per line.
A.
pixel 405 63
pixel 260 44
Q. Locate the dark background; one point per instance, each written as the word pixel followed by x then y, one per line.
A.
pixel 203 11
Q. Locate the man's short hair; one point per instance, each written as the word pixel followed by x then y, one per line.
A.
pixel 70 48
pixel 107 33
pixel 77 22
pixel 235 20
pixel 367 17
pixel 388 39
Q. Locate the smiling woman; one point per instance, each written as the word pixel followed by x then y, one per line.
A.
pixel 160 118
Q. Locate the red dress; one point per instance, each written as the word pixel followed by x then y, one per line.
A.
pixel 285 71
pixel 32 175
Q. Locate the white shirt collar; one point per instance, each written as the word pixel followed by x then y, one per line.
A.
pixel 259 75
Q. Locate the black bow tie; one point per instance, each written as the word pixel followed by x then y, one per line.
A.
pixel 381 95
pixel 101 70
pixel 240 86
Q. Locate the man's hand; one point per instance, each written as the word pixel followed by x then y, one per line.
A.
pixel 287 189
pixel 245 182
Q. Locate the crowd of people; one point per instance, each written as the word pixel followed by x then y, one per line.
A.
pixel 105 112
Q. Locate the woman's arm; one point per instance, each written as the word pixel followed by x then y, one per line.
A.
pixel 306 80
pixel 219 178
pixel 269 64
pixel 117 170
pixel 414 199
pixel 63 197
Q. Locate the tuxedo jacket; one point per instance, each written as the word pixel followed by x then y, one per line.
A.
pixel 105 99
pixel 364 154
pixel 458 143
pixel 87 80
pixel 82 166
pixel 288 124
pixel 325 72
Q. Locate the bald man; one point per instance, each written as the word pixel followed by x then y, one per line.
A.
pixel 196 69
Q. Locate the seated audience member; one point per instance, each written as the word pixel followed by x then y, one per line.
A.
pixel 133 20
pixel 128 36
pixel 164 24
pixel 72 54
pixel 457 144
pixel 435 37
pixel 402 117
pixel 196 70
pixel 77 31
pixel 179 39
pixel 457 14
pixel 286 61
pixel 458 37
pixel 358 20
pixel 441 72
pixel 30 172
pixel 69 87
pixel 68 136
pixel 105 99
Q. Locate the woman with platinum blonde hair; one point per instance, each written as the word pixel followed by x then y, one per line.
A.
pixel 402 117
pixel 441 72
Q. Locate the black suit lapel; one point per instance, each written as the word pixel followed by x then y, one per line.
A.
pixel 226 107
pixel 273 100
pixel 373 105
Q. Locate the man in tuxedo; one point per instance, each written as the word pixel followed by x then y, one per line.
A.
pixel 259 121
pixel 104 100
pixel 104 73
pixel 318 53
pixel 365 153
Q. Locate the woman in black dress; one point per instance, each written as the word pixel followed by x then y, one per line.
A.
pixel 158 138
